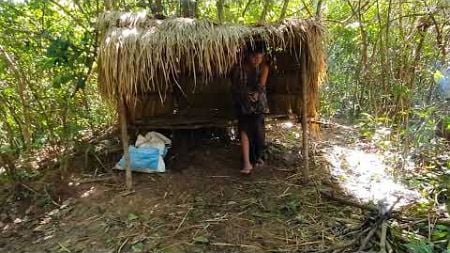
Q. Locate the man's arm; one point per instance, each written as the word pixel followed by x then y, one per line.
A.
pixel 263 76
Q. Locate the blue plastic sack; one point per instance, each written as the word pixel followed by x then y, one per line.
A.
pixel 442 79
pixel 144 159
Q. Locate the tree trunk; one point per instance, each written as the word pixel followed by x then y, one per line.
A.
pixel 219 5
pixel 284 9
pixel 188 8
pixel 382 53
pixel 246 7
pixel 158 9
pixel 108 5
pixel 439 39
pixel 267 4
pixel 319 10
pixel 21 90
pixel 9 129
pixel 307 8
pixel 359 90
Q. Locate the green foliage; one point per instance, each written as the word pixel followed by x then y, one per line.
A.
pixel 52 46
pixel 446 122
pixel 440 232
pixel 440 235
pixel 58 51
pixel 420 247
pixel 137 247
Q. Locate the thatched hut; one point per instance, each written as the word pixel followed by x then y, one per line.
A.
pixel 173 73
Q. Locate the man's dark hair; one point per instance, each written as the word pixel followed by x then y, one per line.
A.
pixel 257 47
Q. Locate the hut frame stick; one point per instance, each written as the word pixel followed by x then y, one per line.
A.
pixel 305 137
pixel 124 130
pixel 125 138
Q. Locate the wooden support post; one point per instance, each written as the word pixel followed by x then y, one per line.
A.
pixel 125 138
pixel 305 148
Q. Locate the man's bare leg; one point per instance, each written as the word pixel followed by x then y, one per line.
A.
pixel 245 145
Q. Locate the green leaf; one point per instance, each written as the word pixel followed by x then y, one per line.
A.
pixel 419 247
pixel 201 239
pixel 62 79
pixel 9 91
pixel 438 76
pixel 442 227
pixel 439 234
pixel 132 217
pixel 58 51
pixel 137 247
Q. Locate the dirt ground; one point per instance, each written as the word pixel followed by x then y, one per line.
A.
pixel 201 204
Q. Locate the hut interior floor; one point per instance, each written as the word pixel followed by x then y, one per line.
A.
pixel 201 204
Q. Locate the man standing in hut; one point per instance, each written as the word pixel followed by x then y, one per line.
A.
pixel 250 103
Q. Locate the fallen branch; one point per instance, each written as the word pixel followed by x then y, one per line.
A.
pixel 331 196
pixel 330 124
pixel 347 201
pixel 381 220
pixel 384 227
pixel 368 237
pixel 224 244
pixel 123 245
pixel 96 180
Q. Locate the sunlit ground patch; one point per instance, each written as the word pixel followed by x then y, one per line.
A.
pixel 365 176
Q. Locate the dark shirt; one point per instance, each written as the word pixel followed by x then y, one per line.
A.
pixel 245 89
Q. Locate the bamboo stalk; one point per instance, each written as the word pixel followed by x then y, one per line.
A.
pixel 304 120
pixel 124 136
pixel 124 129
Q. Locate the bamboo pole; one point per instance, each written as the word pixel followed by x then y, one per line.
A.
pixel 124 130
pixel 124 136
pixel 305 134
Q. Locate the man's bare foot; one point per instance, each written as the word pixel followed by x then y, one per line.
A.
pixel 247 169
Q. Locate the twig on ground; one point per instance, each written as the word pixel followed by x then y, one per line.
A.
pixel 128 236
pixel 331 124
pixel 224 244
pixel 368 237
pixel 126 193
pixel 30 189
pixel 330 195
pixel 50 197
pixel 182 221
pixel 284 193
pixel 123 245
pixel 181 230
pixel 336 248
pixel 101 163
pixel 95 180
pixel 65 249
pixel 339 248
pixel 384 226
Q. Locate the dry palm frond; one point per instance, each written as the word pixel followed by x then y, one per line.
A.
pixel 139 54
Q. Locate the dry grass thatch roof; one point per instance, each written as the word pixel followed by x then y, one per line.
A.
pixel 142 54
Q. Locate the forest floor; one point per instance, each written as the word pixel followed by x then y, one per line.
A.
pixel 203 204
